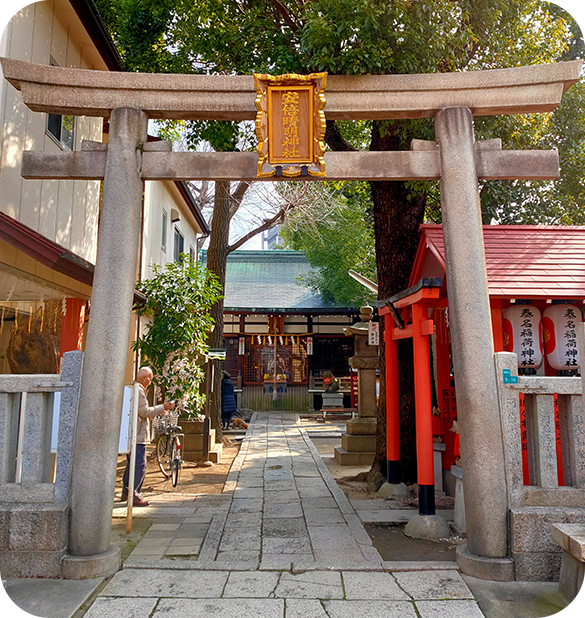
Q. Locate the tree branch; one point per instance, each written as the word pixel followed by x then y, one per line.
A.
pixel 237 196
pixel 334 139
pixel 286 16
pixel 278 217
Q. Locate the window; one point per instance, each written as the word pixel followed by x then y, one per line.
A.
pixel 179 242
pixel 332 354
pixel 192 253
pixel 291 359
pixel 61 128
pixel 163 240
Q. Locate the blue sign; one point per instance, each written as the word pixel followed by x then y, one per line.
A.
pixel 509 378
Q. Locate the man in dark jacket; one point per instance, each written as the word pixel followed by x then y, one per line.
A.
pixel 228 400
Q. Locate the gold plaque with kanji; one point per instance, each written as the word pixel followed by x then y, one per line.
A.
pixel 290 124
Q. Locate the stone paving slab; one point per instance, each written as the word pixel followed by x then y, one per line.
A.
pixel 251 584
pixel 310 585
pixel 448 609
pixel 166 583
pixel 371 609
pixel 57 598
pixel 114 607
pixel 429 585
pixel 224 608
pixel 422 565
pixel 378 586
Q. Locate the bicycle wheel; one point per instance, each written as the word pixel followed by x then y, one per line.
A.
pixel 163 453
pixel 175 462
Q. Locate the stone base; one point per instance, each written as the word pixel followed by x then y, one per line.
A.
pixel 332 400
pixel 494 569
pixel 393 490
pixel 362 426
pixel 428 527
pixel 98 565
pixel 358 443
pixel 536 556
pixel 343 458
pixel 571 579
pixel 33 539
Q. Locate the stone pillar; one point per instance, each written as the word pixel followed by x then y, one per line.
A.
pixel 100 405
pixel 482 449
pixel 358 443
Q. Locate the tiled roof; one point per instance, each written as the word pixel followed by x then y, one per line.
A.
pixel 527 261
pixel 262 281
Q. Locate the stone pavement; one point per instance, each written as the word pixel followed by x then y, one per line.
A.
pixel 281 541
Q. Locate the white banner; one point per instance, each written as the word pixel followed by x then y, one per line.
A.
pixel 373 333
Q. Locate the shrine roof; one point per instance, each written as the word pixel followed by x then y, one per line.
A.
pixel 523 261
pixel 269 282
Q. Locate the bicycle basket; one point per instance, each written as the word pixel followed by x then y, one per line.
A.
pixel 161 424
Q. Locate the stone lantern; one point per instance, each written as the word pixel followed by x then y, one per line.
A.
pixel 358 442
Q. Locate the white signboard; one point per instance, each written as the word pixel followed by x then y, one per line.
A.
pixel 123 444
pixel 242 346
pixel 373 333
pixel 309 346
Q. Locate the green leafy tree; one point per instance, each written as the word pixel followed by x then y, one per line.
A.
pixel 178 302
pixel 387 36
pixel 336 234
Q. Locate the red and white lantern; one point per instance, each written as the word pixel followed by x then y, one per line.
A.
pixel 523 335
pixel 560 336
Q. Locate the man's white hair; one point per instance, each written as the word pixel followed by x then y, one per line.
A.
pixel 144 371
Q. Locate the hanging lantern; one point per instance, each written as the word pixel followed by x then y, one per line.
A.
pixel 560 336
pixel 523 335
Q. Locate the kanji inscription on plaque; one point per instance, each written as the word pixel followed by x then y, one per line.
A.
pixel 290 124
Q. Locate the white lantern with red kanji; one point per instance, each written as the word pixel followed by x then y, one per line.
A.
pixel 560 336
pixel 523 335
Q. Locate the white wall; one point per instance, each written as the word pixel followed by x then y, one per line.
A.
pixel 158 196
pixel 65 212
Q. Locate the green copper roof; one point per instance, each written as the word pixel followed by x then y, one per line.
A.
pixel 263 281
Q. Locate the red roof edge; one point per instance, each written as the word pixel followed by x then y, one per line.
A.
pixel 44 250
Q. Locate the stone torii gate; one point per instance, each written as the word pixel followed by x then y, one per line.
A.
pixel 130 99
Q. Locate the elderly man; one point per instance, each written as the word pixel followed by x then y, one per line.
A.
pixel 145 412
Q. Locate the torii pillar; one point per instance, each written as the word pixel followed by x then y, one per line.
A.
pixel 482 447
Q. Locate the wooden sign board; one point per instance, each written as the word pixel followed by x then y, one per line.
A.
pixel 290 124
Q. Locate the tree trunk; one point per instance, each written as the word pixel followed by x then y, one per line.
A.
pixel 217 254
pixel 397 217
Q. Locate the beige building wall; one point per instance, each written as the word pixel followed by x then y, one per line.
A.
pixel 65 212
pixel 162 197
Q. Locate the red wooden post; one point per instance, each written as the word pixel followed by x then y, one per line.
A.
pixel 423 408
pixel 72 325
pixel 392 404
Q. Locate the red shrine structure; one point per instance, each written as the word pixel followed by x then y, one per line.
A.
pixel 536 281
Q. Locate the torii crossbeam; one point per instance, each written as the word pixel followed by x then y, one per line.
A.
pixel 130 99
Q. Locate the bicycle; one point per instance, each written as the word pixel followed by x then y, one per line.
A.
pixel 168 445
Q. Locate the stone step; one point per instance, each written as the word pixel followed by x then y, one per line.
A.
pixel 344 458
pixel 193 448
